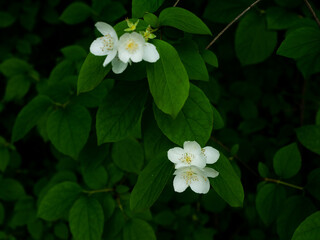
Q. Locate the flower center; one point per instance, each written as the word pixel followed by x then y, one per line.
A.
pixel 187 158
pixel 131 46
pixel 190 176
pixel 107 43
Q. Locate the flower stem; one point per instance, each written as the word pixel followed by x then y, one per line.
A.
pixel 231 23
pixel 176 3
pixel 98 191
pixel 283 183
pixel 312 12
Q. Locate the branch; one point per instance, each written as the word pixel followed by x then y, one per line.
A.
pixel 313 12
pixel 176 3
pixel 283 183
pixel 232 22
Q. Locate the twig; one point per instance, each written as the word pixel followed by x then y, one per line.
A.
pixel 283 183
pixel 176 3
pixel 312 11
pixel 232 22
pixel 98 191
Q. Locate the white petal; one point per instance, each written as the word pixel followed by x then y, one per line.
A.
pixel 192 147
pixel 137 56
pixel 123 55
pixel 175 154
pixel 179 184
pixel 138 38
pixel 200 185
pixel 212 154
pixel 150 53
pixel 110 57
pixel 118 66
pixel 181 165
pixel 105 29
pixel 210 172
pixel 198 161
pixel 98 47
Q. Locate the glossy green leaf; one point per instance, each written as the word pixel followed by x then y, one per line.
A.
pixel 57 202
pixel 269 202
pixel 140 7
pixel 76 12
pixel 151 182
pixel 253 42
pixel 151 19
pixel 68 129
pixel 184 20
pixel 29 116
pixel 168 79
pixel 210 58
pixel 120 112
pixel 138 229
pixel 287 161
pixel 128 155
pixel 227 184
pixel 218 122
pixel 309 136
pixel 86 219
pixel 295 210
pixel 300 42
pixel 192 60
pixel 193 123
pixel 92 73
pixel 309 229
pixel 11 189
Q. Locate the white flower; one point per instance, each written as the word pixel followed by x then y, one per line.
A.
pixel 189 155
pixel 105 45
pixel 196 178
pixel 133 47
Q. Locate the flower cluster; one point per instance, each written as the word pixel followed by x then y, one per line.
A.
pixel 130 47
pixel 190 164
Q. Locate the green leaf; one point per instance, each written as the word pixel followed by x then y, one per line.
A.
pixel 287 161
pixel 309 229
pixel 29 116
pixel 224 11
pixel 92 73
pixel 314 183
pixel 168 79
pixel 68 129
pixel 6 19
pixel 309 136
pixel 11 189
pixel 227 184
pixel 136 229
pixel 184 20
pixel 14 66
pixel 300 42
pixel 95 177
pixel 295 210
pixel 269 202
pixel 35 228
pixel 76 12
pixel 218 122
pixel 151 182
pixel 140 7
pixel 288 3
pixel 86 219
pixel 151 19
pixel 263 170
pixel 4 158
pixel 17 87
pixel 74 52
pixel 24 212
pixel 279 18
pixel 128 155
pixel 253 42
pixel 61 231
pixel 193 123
pixel 57 202
pixel 192 60
pixel 61 71
pixel 210 58
pixel 120 112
